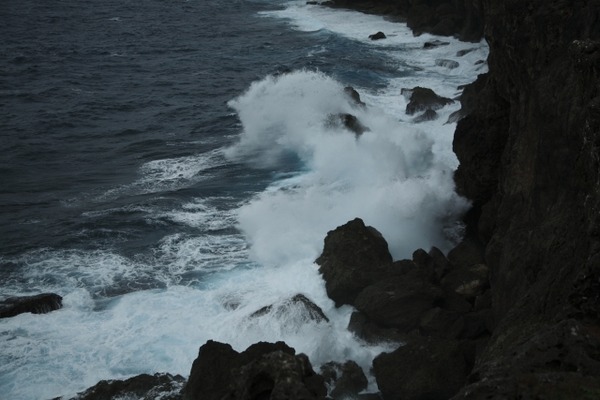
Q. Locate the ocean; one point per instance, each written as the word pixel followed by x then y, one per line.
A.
pixel 171 167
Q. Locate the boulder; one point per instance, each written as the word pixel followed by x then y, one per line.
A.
pixel 300 304
pixel 262 371
pixel 354 256
pixel 425 368
pixel 377 36
pixel 345 380
pixel 422 99
pixel 142 387
pixel 38 304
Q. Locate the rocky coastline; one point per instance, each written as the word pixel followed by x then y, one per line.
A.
pixel 514 310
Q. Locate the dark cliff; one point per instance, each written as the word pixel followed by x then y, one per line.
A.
pixel 530 162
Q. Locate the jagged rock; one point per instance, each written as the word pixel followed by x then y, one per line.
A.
pixel 354 96
pixel 304 307
pixel 377 36
pixel 38 304
pixel 422 99
pixel 142 387
pixel 263 370
pixel 346 380
pixel 347 121
pixel 424 368
pixel 455 116
pixel 450 64
pixel 354 256
pixel 432 44
pixel 473 325
pixel 428 115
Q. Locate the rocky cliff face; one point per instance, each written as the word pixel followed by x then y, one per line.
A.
pixel 530 161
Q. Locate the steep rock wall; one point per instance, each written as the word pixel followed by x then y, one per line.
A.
pixel 529 154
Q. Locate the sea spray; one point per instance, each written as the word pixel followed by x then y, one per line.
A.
pixel 389 175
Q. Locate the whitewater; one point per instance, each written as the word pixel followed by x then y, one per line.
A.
pixel 216 204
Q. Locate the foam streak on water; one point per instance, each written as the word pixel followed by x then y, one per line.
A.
pixel 216 234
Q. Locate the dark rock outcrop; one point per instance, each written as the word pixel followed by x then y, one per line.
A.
pixel 263 371
pixel 377 36
pixel 354 256
pixel 421 99
pixel 347 121
pixel 38 304
pixel 142 387
pixel 301 305
pixel 434 43
pixel 354 96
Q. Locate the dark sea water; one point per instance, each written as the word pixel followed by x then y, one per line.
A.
pixel 170 167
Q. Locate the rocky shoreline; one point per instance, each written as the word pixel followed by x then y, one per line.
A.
pixel 514 310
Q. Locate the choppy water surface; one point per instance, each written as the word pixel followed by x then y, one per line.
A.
pixel 169 168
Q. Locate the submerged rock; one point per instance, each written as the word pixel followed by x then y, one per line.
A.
pixel 299 304
pixel 450 64
pixel 432 44
pixel 347 121
pixel 421 99
pixel 377 36
pixel 38 304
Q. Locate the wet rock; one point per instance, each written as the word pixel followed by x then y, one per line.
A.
pixel 354 256
pixel 432 44
pixel 38 304
pixel 450 64
pixel 277 376
pixel 428 115
pixel 346 380
pixel 422 99
pixel 142 387
pixel 299 304
pixel 377 36
pixel 438 321
pixel 263 370
pixel 424 368
pixel 347 121
pixel 354 96
pixel 462 53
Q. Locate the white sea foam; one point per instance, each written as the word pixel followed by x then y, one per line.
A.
pixel 393 176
